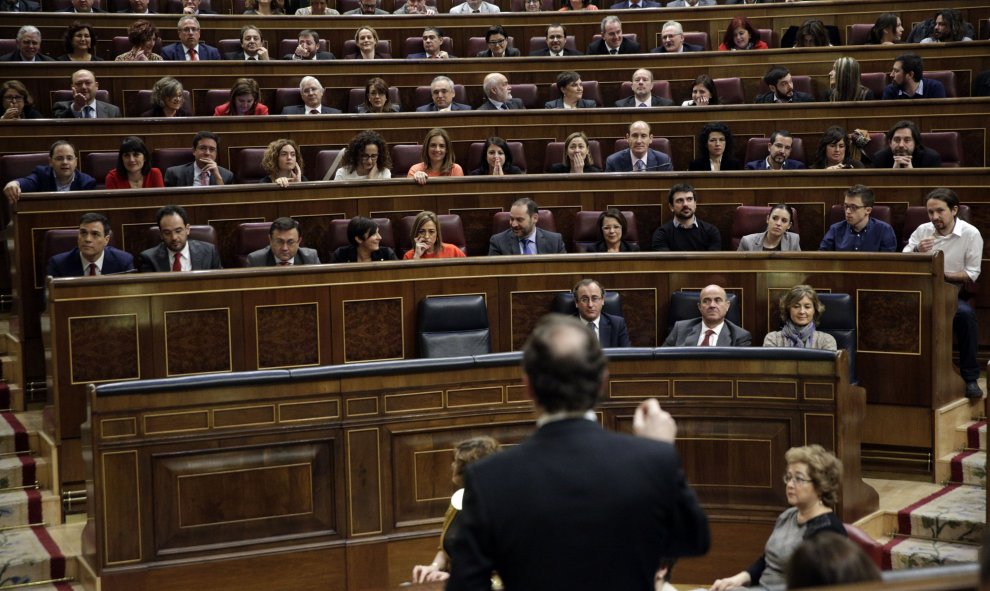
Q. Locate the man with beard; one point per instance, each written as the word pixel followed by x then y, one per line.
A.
pixel 908 82
pixel 962 247
pixel 904 149
pixel 778 78
pixel 949 26
pixel 498 94
pixel 556 40
pixel 780 150
pixel 177 252
pixel 685 232
pixel 523 237
pixel 642 87
pixel 859 232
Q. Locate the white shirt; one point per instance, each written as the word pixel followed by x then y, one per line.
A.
pixel 485 8
pixel 962 248
pixel 197 171
pixel 82 112
pixel 635 160
pixel 98 262
pixel 713 341
pixel 594 326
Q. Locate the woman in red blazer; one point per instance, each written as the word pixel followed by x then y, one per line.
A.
pixel 245 99
pixel 134 169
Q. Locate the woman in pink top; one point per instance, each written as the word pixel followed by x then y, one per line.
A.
pixel 437 156
pixel 427 241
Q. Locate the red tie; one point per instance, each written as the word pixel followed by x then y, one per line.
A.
pixel 314 112
pixel 192 55
pixel 177 262
pixel 204 179
pixel 708 338
pixel 283 263
pixel 91 270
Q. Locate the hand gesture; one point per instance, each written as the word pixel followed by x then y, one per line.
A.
pixel 78 102
pixel 497 167
pixel 13 191
pixel 296 174
pixel 577 162
pixel 421 177
pixel 11 113
pixel 701 101
pixel 263 53
pixel 420 248
pixel 740 580
pixel 903 162
pixel 652 422
pixel 442 54
pixel 926 244
pixel 428 574
pixel 301 52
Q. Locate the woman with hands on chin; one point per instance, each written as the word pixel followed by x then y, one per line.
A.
pixel 283 163
pixel 577 156
pixel 427 240
pixel 496 159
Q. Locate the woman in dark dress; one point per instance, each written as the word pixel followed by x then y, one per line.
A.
pixel 577 156
pixel 715 149
pixel 167 99
pixel 496 159
pixel 612 228
pixel 365 244
pixel 17 102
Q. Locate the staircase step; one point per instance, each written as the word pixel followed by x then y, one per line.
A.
pixel 20 470
pixel 971 435
pixel 966 467
pixel 902 553
pixel 28 506
pixel 956 513
pixel 29 555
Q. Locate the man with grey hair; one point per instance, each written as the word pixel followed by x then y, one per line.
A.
pixel 308 47
pixel 612 42
pixel 189 48
pixel 19 6
pixel 28 46
pixel 475 7
pixel 672 38
pixel 312 95
pixel 690 3
pixel 498 94
pixel 415 7
pixel 442 91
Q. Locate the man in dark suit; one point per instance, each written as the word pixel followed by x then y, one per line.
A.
pixel 252 46
pixel 28 47
pixel 189 47
pixel 612 42
pixel 575 506
pixel 780 150
pixel 19 6
pixel 672 39
pixel 177 252
pixel 523 237
pixel 711 329
pixel 204 170
pixel 84 104
pixel 748 1
pixel 904 149
pixel 442 91
pixel 556 44
pixel 642 87
pixel 192 7
pixel 93 254
pixel 61 174
pixel 685 232
pixel 639 157
pixel 634 4
pixel 498 94
pixel 589 299
pixel 908 81
pixel 312 95
pixel 778 78
pixel 137 7
pixel 308 48
pixel 83 7
pixel 432 45
pixel 285 247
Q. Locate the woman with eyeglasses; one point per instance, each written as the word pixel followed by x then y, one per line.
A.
pixel 376 98
pixel 800 310
pixel 428 242
pixel 812 485
pixel 367 158
pixel 17 102
pixel 167 99
pixel 498 43
pixel 612 228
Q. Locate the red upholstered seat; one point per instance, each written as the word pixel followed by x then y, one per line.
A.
pixel 947 78
pixel 58 241
pixel 250 237
pixel 15 166
pixel 214 98
pixel 324 158
pixel 587 232
pixel 769 36
pixel 804 84
pixel 759 147
pixel 591 91
pixel 247 165
pixel 229 45
pixel 751 219
pixel 948 144
pixel 529 94
pixel 555 153
pixel 500 222
pixel 858 33
pixel 475 155
pixel 98 164
pixel 165 158
pixel 730 91
pixel 661 88
pixel 875 81
pixel 697 38
pixel 451 228
pixel 871 547
pixel 404 156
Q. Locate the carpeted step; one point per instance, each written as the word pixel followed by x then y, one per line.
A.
pixel 30 555
pixel 967 467
pixel 13 434
pixel 901 553
pixel 976 435
pixel 19 470
pixel 956 513
pixel 4 395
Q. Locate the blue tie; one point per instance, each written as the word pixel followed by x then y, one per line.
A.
pixel 527 246
pixel 89 112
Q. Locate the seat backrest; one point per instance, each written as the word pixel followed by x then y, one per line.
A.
pixel 858 33
pixel 415 45
pixel 555 154
pixel 66 95
pixel 758 148
pixel 15 166
pixel 475 155
pixel 587 232
pixel 230 45
pixel 7 46
pixel 838 213
pixel 768 36
pixel 58 241
pixel 355 97
pixel 453 326
pixel 751 219
pixel 697 38
pixel 661 88
pixel 947 78
pixel 538 43
pixel 324 158
pixel 142 102
pixel 451 228
pixel 382 48
pixel 476 45
pixel 528 93
pixel 544 220
pixel 214 98
pixel 684 306
pixel 250 237
pixel 804 84
pixel 591 91
pixel 404 156
pixel 839 320
pixel 948 144
pixel 875 81
pixel 338 233
pixel 98 164
pixel 730 91
pixel 563 303
pixel 660 144
pixel 247 165
pixel 424 96
pixel 165 158
pixel 288 46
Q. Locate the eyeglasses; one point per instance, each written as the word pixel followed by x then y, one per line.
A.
pixel 13 98
pixel 589 300
pixel 189 29
pixel 798 480
pixel 852 207
pixel 611 228
pixel 369 156
pixel 497 41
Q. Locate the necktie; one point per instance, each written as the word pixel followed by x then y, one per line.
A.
pixel 314 112
pixel 591 327
pixel 639 166
pixel 613 51
pixel 192 55
pixel 642 105
pixel 177 262
pixel 283 263
pixel 504 107
pixel 89 112
pixel 708 338
pixel 91 270
pixel 528 246
pixel 204 179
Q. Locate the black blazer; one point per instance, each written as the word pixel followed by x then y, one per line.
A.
pixel 513 169
pixel 348 254
pixel 393 108
pixel 705 164
pixel 686 46
pixel 545 52
pixel 626 47
pixel 922 158
pixel 582 104
pixel 69 264
pixel 561 168
pixel 799 97
pixel 15 56
pixel 509 52
pixel 624 246
pixel 655 101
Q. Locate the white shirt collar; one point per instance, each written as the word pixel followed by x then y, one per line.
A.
pixel 98 262
pixel 545 418
pixel 717 331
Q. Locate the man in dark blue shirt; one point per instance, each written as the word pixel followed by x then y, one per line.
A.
pixel 859 232
pixel 908 82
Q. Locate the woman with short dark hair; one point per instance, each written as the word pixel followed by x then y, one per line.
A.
pixel 365 244
pixel 496 159
pixel 376 98
pixel 134 170
pixel 715 145
pixel 143 35
pixel 612 228
pixel 80 44
pixel 17 102
pixel 703 92
pixel 571 93
pixel 834 151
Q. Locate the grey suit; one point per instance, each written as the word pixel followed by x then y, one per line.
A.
pixel 687 332
pixel 63 110
pixel 202 254
pixel 453 107
pixel 512 104
pixel 790 241
pixel 182 175
pixel 263 257
pixel 507 243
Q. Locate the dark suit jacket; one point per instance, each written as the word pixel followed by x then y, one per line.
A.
pixel 422 56
pixel 514 103
pixel 642 4
pixel 789 164
pixel 507 243
pixel 453 107
pixel 612 331
pixel 20 6
pixel 71 9
pixel 932 89
pixel 741 2
pixel 182 175
pixel 263 257
pixel 685 46
pixel 575 490
pixel 363 109
pixel 545 52
pixel 129 11
pixel 69 264
pixel 582 104
pixel 599 48
pixel 922 157
pixel 348 254
pixel 320 55
pixel 239 56
pixel 301 110
pixel 655 101
pixel 509 52
pixel 687 332
pixel 622 162
pixel 705 164
pixel 15 56
pixel 63 110
pixel 799 97
pixel 42 179
pixel 203 255
pixel 176 52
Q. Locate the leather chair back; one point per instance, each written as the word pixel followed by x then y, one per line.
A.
pixel 730 91
pixel 475 155
pixel 58 241
pixel 355 97
pixel 231 45
pixel 875 81
pixel 804 84
pixel 404 156
pixel 15 166
pixel 948 144
pixel 591 91
pixel 453 326
pixel 66 95
pixel 758 148
pixel 8 46
pixel 661 88
pixel 214 98
pixel 948 80
pixel 250 237
pixel 555 154
pixel 587 231
pixel 529 94
pixel 858 33
pixel 165 158
pixel 451 228
pixel 769 36
pixel 98 164
pixel 839 320
pixel 544 220
pixel 247 165
pixel 697 38
pixel 563 303
pixel 751 219
pixel 290 97
pixel 324 158
pixel 684 306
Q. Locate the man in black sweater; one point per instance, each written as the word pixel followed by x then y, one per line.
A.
pixel 685 232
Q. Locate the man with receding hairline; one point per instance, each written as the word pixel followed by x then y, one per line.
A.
pixel 711 329
pixel 84 104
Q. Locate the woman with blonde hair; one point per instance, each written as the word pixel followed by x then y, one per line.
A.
pixel 844 79
pixel 577 156
pixel 283 163
pixel 437 158
pixel 366 39
pixel 800 310
pixel 427 240
pixel 245 99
